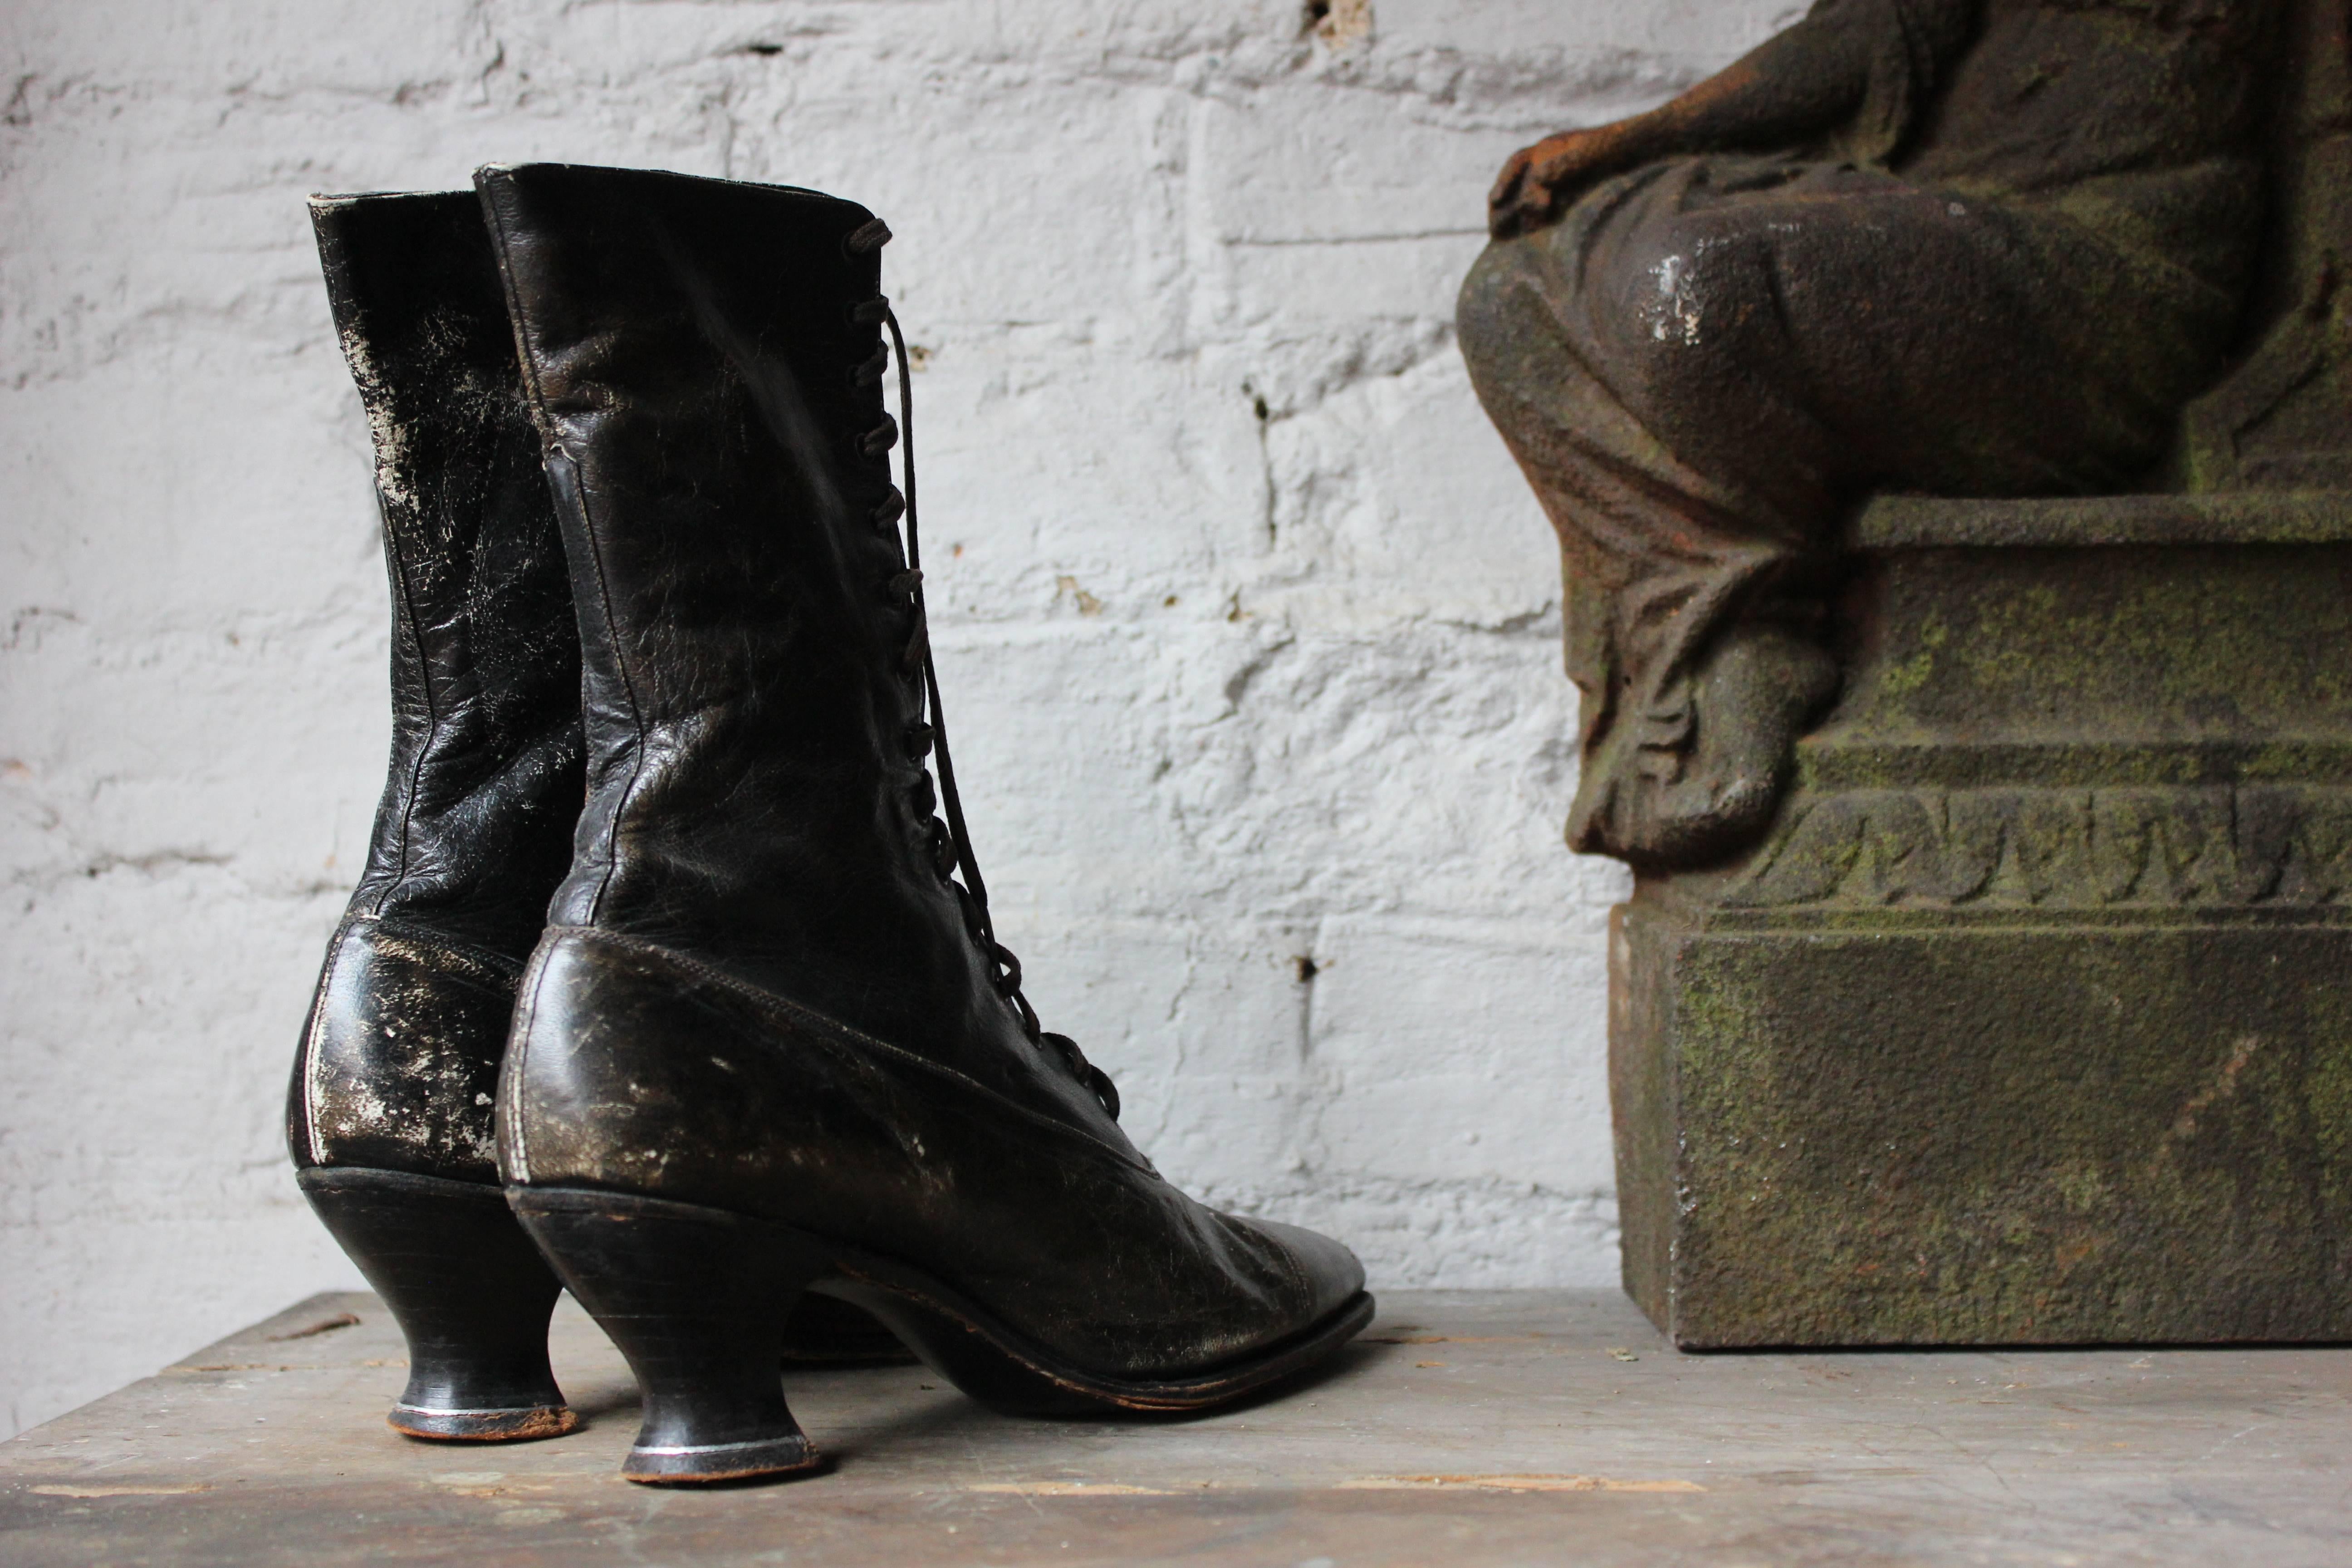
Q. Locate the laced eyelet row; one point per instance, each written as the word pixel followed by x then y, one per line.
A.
pixel 949 841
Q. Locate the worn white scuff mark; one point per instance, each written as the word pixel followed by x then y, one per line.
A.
pixel 1678 313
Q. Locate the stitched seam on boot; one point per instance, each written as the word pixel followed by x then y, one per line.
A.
pixel 620 667
pixel 416 640
pixel 510 1125
pixel 311 1046
pixel 506 968
pixel 494 222
pixel 795 1015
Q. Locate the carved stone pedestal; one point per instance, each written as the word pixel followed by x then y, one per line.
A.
pixel 2032 1020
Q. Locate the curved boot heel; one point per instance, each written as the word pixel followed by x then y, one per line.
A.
pixel 469 1291
pixel 697 1299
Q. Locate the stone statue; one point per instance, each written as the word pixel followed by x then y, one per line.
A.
pixel 1969 248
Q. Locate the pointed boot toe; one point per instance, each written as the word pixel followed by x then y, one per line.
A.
pixel 771 1044
pixel 1331 1275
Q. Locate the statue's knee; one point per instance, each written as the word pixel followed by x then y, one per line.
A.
pixel 1483 312
pixel 1682 309
pixel 1664 284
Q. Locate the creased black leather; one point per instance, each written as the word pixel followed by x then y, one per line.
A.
pixel 474 830
pixel 758 991
pixel 648 1074
pixel 689 347
pixel 401 1065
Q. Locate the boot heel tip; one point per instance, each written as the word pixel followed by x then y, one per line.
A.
pixel 701 1463
pixel 519 1426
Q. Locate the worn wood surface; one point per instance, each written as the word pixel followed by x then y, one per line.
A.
pixel 1468 1429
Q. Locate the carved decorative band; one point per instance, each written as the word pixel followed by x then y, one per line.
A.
pixel 2272 845
pixel 1894 522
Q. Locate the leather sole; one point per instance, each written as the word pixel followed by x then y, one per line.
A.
pixel 1005 1370
pixel 694 1297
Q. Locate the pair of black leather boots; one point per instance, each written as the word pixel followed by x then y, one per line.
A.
pixel 730 1048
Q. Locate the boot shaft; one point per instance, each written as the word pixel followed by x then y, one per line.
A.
pixel 705 360
pixel 475 827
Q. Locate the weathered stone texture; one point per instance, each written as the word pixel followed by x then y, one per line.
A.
pixel 2030 1021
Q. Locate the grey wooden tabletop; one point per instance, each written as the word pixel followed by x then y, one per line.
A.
pixel 1466 1428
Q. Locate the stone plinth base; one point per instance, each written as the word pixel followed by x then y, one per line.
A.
pixel 2032 1020
pixel 2065 1134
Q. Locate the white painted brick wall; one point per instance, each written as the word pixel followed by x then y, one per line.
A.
pixel 1248 625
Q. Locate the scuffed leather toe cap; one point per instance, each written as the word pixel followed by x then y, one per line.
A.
pixel 1333 1275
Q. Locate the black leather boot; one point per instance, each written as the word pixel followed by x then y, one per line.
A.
pixel 389 1118
pixel 768 1045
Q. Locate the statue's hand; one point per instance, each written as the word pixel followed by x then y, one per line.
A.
pixel 1537 182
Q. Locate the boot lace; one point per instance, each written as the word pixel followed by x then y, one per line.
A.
pixel 951 841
